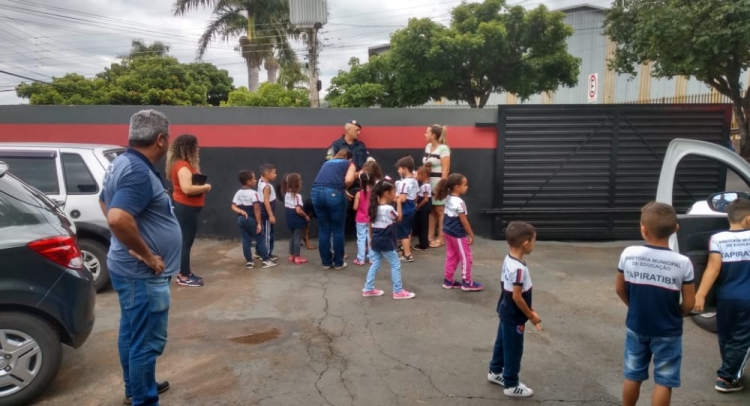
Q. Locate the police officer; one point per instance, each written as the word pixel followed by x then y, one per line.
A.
pixel 350 140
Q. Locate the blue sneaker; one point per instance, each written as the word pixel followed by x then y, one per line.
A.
pixel 451 284
pixel 724 386
pixel 471 286
pixel 190 281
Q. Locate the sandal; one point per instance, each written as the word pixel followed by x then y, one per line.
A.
pixel 436 243
pixel 311 247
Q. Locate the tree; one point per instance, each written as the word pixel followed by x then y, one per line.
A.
pixel 708 39
pixel 263 28
pixel 369 84
pixel 140 78
pixel 489 47
pixel 268 95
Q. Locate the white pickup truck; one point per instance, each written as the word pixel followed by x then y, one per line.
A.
pixel 705 217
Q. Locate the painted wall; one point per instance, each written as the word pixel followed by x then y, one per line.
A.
pixel 294 140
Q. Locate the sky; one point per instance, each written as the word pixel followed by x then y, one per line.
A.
pixel 42 39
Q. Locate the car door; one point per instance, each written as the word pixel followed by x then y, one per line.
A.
pixel 695 231
pixel 81 188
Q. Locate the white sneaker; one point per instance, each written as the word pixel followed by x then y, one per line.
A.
pixel 496 378
pixel 520 391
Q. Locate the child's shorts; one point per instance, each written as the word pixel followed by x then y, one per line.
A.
pixel 667 355
pixel 405 226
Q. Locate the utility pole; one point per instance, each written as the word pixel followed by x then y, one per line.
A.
pixel 310 15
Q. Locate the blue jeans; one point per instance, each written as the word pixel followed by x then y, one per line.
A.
pixel 330 208
pixel 266 231
pixel 667 355
pixel 144 313
pixel 363 237
pixel 392 258
pixel 506 356
pixel 248 228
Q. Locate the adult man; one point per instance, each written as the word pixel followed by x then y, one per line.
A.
pixel 144 253
pixel 350 140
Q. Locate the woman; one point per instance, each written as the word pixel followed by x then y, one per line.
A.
pixel 329 201
pixel 189 198
pixel 437 156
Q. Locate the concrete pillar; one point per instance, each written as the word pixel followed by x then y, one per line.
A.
pixel 608 85
pixel 644 88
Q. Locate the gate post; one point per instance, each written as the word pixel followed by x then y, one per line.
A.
pixel 613 171
pixel 498 183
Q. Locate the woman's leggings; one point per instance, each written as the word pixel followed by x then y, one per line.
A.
pixel 187 216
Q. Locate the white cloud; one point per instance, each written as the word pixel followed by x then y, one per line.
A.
pixel 46 38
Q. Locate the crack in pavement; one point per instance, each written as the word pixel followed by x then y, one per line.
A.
pixel 259 401
pixel 382 351
pixel 332 355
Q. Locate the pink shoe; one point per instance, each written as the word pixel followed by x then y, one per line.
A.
pixel 404 295
pixel 300 261
pixel 292 258
pixel 358 262
pixel 372 293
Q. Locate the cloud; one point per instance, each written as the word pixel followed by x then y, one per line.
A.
pixel 45 38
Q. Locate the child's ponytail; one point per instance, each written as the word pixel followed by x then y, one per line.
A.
pixel 364 181
pixel 446 186
pixel 380 188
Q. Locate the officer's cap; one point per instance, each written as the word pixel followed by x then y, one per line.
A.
pixel 355 122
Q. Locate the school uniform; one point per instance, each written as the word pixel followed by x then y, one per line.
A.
pixel 733 301
pixel 457 249
pixel 410 188
pixel 294 221
pixel 422 216
pixel 383 245
pixel 246 199
pixel 268 228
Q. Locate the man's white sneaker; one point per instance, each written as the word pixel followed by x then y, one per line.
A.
pixel 496 378
pixel 520 391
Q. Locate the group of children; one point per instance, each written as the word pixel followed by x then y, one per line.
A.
pixel 657 285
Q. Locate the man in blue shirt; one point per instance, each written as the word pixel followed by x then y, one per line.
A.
pixel 144 253
pixel 350 140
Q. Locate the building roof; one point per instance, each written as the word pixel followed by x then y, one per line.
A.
pixel 582 6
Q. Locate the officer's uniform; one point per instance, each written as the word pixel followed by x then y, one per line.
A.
pixel 358 148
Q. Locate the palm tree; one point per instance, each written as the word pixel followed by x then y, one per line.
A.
pixel 262 26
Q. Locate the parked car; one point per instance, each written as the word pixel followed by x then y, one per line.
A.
pixel 705 217
pixel 47 296
pixel 71 175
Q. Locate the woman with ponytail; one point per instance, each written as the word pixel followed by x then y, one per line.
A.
pixel 437 157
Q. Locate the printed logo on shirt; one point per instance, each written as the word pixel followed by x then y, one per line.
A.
pixel 733 246
pixel 665 269
pixel 520 329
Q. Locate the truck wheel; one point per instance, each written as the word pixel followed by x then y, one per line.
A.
pixel 30 355
pixel 95 260
pixel 706 321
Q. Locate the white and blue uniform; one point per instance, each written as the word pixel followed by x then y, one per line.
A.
pixel 515 273
pixel 410 188
pixel 454 207
pixel 384 229
pixel 268 228
pixel 425 190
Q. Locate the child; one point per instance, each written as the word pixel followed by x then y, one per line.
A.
pixel 407 195
pixel 246 203
pixel 383 219
pixel 458 233
pixel 729 262
pixel 268 205
pixel 514 309
pixel 424 206
pixel 296 218
pixel 362 218
pixel 650 280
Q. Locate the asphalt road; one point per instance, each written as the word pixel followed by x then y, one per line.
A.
pixel 299 335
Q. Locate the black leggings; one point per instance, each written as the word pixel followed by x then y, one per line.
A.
pixel 187 216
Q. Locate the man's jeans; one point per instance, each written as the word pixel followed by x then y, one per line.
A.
pixel 144 310
pixel 330 208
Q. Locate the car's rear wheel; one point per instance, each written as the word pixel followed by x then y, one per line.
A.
pixel 95 260
pixel 30 355
pixel 706 321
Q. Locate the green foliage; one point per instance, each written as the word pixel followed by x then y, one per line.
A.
pixel 141 78
pixel 707 39
pixel 268 95
pixel 489 47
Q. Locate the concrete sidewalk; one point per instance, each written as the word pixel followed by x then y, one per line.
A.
pixel 299 335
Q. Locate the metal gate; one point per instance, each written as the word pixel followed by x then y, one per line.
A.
pixel 582 172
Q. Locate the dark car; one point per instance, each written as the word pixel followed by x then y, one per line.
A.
pixel 47 296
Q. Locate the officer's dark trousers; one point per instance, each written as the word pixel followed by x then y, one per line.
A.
pixel 733 325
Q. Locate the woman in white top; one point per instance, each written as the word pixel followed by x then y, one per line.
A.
pixel 437 156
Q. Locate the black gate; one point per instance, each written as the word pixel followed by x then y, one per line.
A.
pixel 582 172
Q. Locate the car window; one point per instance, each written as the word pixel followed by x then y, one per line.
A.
pixel 20 207
pixel 40 172
pixel 78 178
pixel 112 154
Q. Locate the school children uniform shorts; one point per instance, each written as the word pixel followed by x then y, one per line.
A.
pixel 667 355
pixel 405 226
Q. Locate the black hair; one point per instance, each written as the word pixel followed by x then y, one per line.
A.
pixel 518 232
pixel 738 210
pixel 406 162
pixel 265 169
pixel 446 186
pixel 378 191
pixel 366 181
pixel 245 175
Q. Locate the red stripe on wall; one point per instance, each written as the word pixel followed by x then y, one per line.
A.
pixel 254 136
